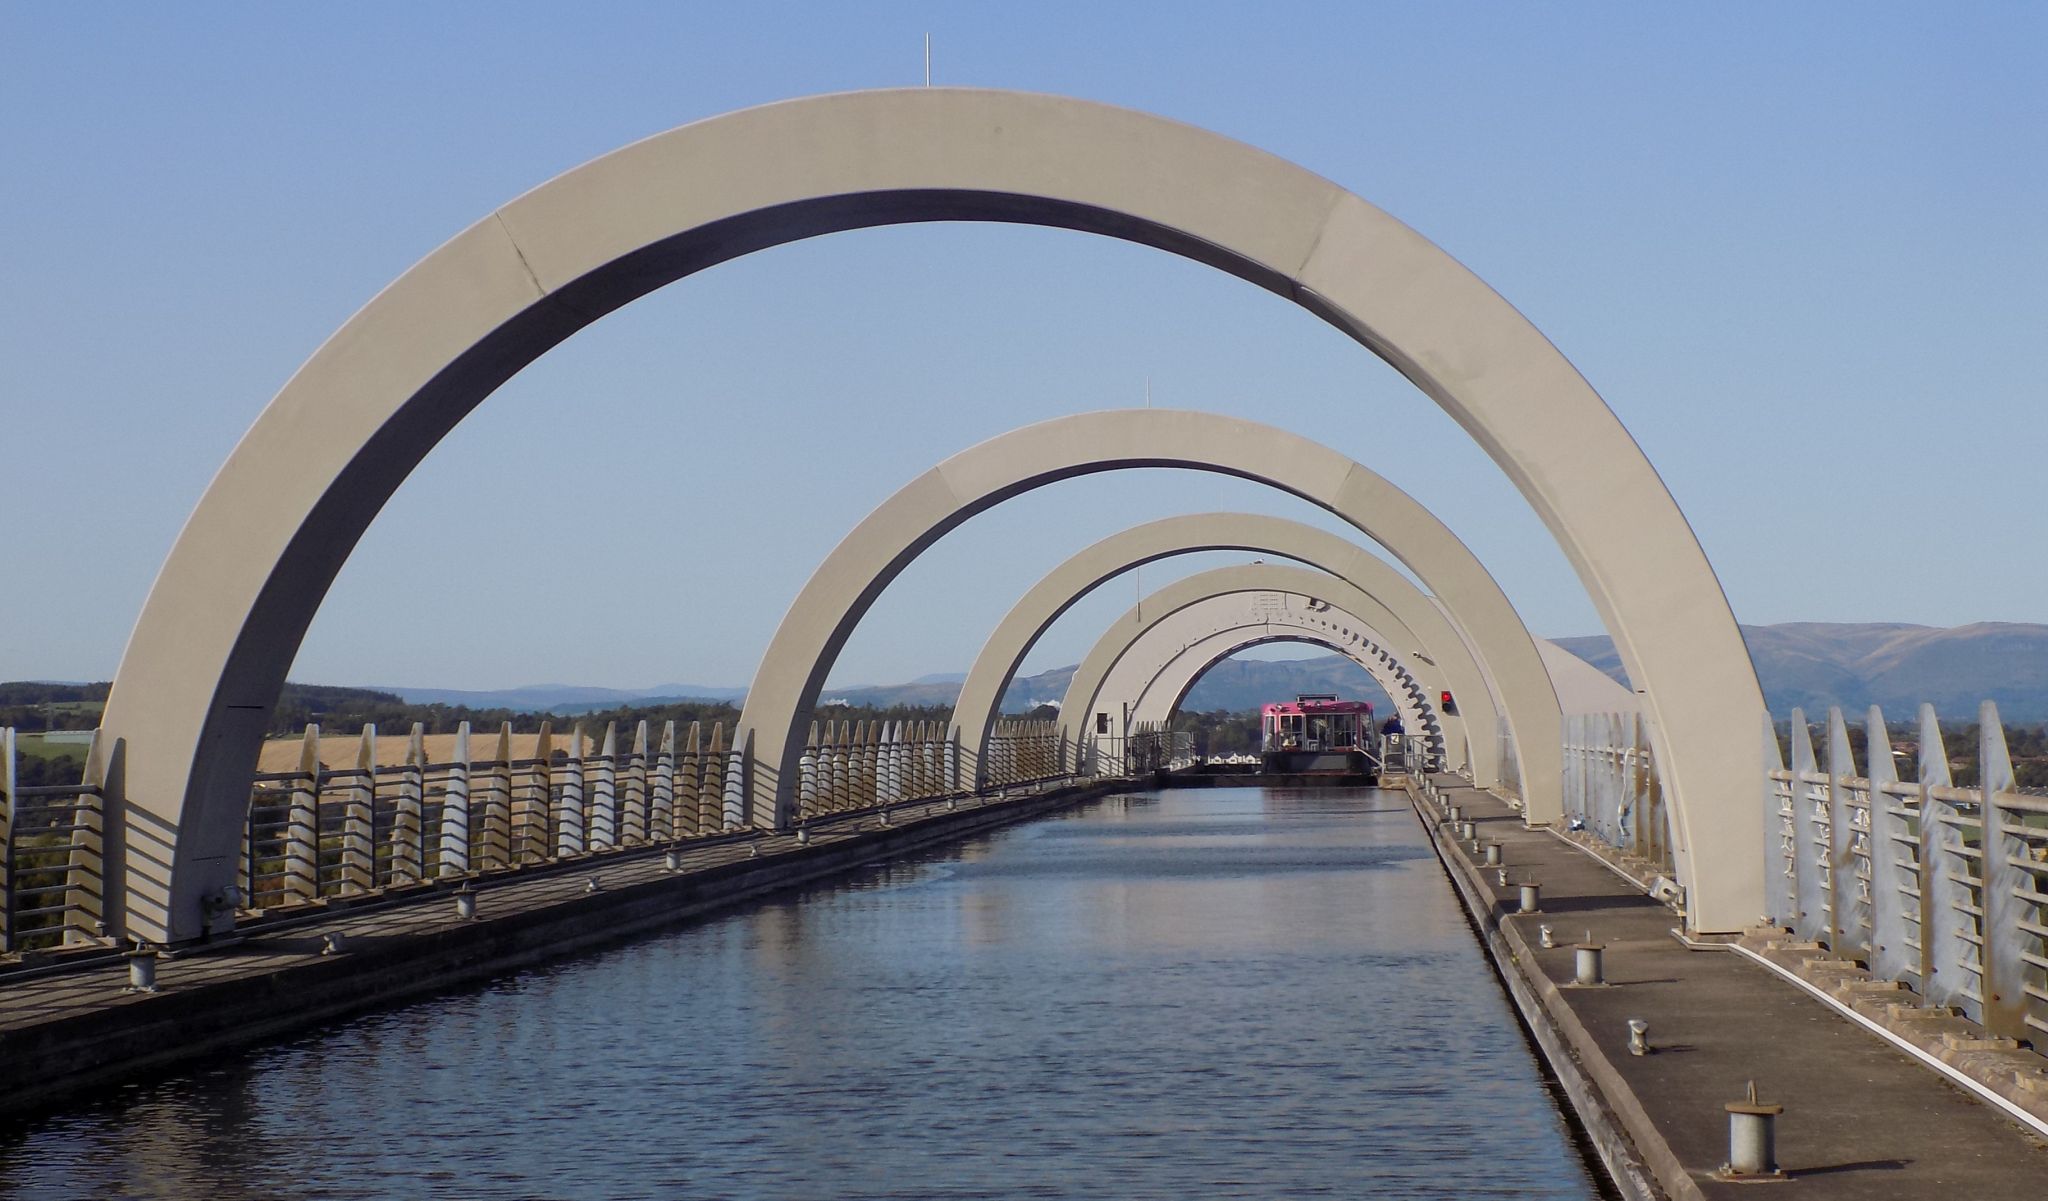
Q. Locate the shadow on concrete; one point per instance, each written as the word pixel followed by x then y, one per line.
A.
pixel 1866 1165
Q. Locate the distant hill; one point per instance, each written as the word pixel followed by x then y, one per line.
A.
pixel 1235 684
pixel 1813 665
pixel 1807 664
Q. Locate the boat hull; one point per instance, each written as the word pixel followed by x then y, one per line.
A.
pixel 1347 765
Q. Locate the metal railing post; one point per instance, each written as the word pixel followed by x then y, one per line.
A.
pixel 454 857
pixel 2007 887
pixel 1781 839
pixel 736 781
pixel 689 783
pixel 1810 841
pixel 568 805
pixel 1848 848
pixel 1892 953
pixel 662 807
pixel 9 797
pixel 633 807
pixel 302 824
pixel 1947 931
pixel 358 867
pixel 408 812
pixel 604 792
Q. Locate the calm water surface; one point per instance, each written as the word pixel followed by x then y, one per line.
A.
pixel 1220 993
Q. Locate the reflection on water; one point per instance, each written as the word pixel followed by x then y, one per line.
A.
pixel 1183 994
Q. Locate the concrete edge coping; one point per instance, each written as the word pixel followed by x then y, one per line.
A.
pixel 1635 1157
pixel 1998 1070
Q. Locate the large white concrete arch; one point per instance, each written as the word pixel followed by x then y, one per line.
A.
pixel 1246 602
pixel 1179 670
pixel 1177 663
pixel 831 604
pixel 1156 707
pixel 229 608
pixel 1435 634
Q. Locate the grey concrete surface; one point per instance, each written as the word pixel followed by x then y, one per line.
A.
pixel 1862 1120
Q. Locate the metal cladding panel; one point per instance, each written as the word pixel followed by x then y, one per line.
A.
pixel 2007 889
pixel 1849 845
pixel 1947 930
pixel 1894 919
pixel 1809 837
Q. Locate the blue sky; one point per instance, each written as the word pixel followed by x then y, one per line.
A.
pixel 1799 250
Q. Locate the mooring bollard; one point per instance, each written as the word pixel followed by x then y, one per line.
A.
pixel 1467 831
pixel 672 859
pixel 1532 898
pixel 465 904
pixel 1638 1037
pixel 593 884
pixel 1544 938
pixel 141 970
pixel 885 819
pixel 1752 1138
pixel 331 943
pixel 1587 966
pixel 1493 855
pixel 803 836
pixel 1454 814
pixel 1502 874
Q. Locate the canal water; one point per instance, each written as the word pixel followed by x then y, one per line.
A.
pixel 1185 994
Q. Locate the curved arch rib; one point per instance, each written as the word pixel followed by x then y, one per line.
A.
pixel 232 602
pixel 1127 661
pixel 853 576
pixel 1463 657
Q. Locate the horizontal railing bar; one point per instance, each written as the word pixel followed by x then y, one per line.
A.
pixel 2020 802
pixel 32 791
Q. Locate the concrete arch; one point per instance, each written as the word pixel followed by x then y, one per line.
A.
pixel 1184 668
pixel 1433 633
pixel 1174 678
pixel 1289 604
pixel 1246 601
pixel 831 604
pixel 230 606
pixel 1179 677
pixel 1177 671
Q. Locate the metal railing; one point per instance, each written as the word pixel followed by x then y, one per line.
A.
pixel 1942 888
pixel 320 831
pixel 1408 754
pixel 1146 748
pixel 1510 762
pixel 1611 788
pixel 50 859
pixel 849 766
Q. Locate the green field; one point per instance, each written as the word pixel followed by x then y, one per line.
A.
pixel 44 763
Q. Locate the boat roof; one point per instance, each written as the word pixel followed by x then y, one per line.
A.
pixel 1318 704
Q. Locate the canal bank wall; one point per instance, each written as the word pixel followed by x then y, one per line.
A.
pixel 66 1034
pixel 1558 1036
pixel 1860 1119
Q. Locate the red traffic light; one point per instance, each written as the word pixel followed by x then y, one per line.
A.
pixel 1450 706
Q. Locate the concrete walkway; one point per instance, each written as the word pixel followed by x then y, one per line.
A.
pixel 1862 1120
